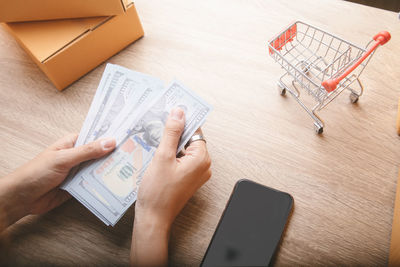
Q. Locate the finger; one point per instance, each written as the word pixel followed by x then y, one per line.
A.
pixel 197 132
pixel 93 150
pixel 196 156
pixel 65 142
pixel 172 132
pixel 199 145
pixel 196 147
pixel 205 177
pixel 49 201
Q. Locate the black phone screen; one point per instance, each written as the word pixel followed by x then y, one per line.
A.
pixel 250 228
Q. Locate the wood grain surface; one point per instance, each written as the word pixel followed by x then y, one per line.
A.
pixel 343 182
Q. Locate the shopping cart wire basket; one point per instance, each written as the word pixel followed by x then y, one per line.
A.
pixel 321 64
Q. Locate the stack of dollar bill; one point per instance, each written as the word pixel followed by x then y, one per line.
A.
pixel 131 107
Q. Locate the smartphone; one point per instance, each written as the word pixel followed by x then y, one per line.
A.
pixel 251 226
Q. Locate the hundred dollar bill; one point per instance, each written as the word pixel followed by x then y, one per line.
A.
pixel 131 89
pixel 121 127
pixel 139 97
pixel 102 107
pixel 93 201
pixel 124 88
pixel 118 174
pixel 141 100
pixel 132 107
pixel 104 89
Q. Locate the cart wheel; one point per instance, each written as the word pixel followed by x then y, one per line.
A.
pixel 281 89
pixel 318 128
pixel 353 98
pixel 306 70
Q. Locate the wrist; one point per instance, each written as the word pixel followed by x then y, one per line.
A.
pixel 150 223
pixel 149 240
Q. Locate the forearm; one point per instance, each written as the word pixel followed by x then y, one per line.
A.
pixel 149 242
pixel 11 209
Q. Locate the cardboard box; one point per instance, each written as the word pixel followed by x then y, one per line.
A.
pixel 398 118
pixel 65 50
pixel 29 10
pixel 394 253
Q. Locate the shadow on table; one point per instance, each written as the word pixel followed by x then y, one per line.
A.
pixel 67 235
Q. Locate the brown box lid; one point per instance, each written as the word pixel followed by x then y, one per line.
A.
pixel 31 10
pixel 67 49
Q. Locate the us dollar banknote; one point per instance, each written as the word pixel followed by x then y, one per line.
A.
pixel 133 86
pixel 104 90
pixel 118 175
pixel 117 92
pixel 132 107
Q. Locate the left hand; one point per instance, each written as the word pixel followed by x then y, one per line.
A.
pixel 33 188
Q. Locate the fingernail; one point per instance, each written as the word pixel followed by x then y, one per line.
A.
pixel 177 114
pixel 107 143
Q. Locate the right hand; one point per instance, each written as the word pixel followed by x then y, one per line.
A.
pixel 169 182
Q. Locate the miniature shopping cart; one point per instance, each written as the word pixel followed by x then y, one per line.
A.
pixel 321 64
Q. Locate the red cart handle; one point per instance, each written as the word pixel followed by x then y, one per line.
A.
pixel 381 39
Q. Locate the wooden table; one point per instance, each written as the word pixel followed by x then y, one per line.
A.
pixel 343 182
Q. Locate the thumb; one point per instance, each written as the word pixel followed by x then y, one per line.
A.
pixel 172 131
pixel 93 150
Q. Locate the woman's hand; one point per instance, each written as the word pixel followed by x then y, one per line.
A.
pixel 169 182
pixel 33 188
